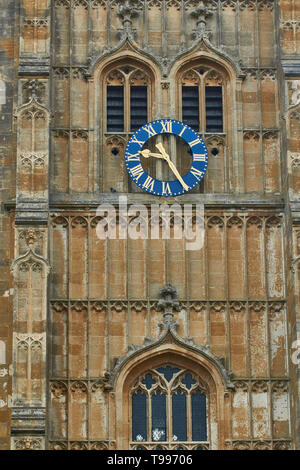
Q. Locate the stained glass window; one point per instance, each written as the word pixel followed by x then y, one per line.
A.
pixel 169 404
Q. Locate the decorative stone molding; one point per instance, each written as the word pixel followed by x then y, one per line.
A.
pixel 201 13
pixel 127 11
pixel 30 160
pixel 30 260
pixel 260 386
pixel 28 443
pixel 293 160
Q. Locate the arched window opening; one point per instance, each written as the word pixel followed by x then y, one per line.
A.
pixel 127 99
pixel 202 100
pixel 169 406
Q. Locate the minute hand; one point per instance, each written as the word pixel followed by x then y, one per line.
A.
pixel 172 166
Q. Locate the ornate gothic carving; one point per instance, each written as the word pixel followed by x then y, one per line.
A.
pixel 247 4
pixel 260 386
pixel 30 160
pixel 201 13
pixel 235 221
pixel 28 443
pixel 294 160
pixel 127 11
pixel 58 389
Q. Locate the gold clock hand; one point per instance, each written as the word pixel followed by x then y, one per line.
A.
pixel 172 166
pixel 146 154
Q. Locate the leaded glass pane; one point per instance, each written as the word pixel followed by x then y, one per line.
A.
pixel 139 416
pixel 159 422
pixel 199 427
pixel 168 372
pixel 179 417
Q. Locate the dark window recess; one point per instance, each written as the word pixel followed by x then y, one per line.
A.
pixel 139 416
pixel 190 106
pixel 115 109
pixel 214 109
pixel 138 107
pixel 199 428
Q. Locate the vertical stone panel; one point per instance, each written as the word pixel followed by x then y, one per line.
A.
pixel 117 260
pixel 274 258
pixel 59 258
pixel 266 37
pixel 114 170
pixel 217 316
pixel 62 32
pixel 268 89
pixel 98 413
pixel 238 339
pixel 97 263
pixel 198 323
pixel 78 258
pixel 196 273
pixel 277 340
pixel 252 162
pixel 79 170
pixel 118 329
pixel 156 266
pixel 80 28
pixel 216 258
pixel 61 97
pixel 255 258
pixel 138 322
pixel 60 161
pixel 59 404
pixel 271 149
pixel 240 407
pixel 98 28
pixel 260 410
pixel 78 335
pixel 77 423
pixel 235 258
pixel 59 336
pixel 137 269
pixel 258 340
pixel 247 33
pixel 155 33
pixel 251 115
pixel 97 355
pixel 176 264
pixel 228 27
pixel 216 170
pixel 280 409
pixel 79 96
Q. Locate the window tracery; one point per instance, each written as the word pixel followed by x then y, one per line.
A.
pixel 169 406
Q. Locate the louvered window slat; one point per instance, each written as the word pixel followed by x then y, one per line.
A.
pixel 138 107
pixel 115 109
pixel 214 109
pixel 190 106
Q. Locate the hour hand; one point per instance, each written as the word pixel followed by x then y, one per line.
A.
pixel 147 153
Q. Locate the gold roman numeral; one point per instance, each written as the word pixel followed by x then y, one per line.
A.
pixel 137 171
pixel 150 130
pixel 199 157
pixel 149 183
pixel 184 128
pixel 197 173
pixel 167 127
pixel 135 141
pixel 166 188
pixel 135 157
pixel 194 142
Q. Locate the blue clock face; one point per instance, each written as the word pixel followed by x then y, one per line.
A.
pixel 180 183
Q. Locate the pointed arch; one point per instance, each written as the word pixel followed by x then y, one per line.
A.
pixel 171 349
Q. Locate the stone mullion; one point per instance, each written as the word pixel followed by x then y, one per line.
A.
pixel 182 21
pixel 163 29
pixel 108 20
pixel 219 13
pixel 146 25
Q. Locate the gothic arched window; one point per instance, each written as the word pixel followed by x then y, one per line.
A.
pixel 202 100
pixel 169 407
pixel 127 99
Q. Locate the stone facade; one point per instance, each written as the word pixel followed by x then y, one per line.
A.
pixel 81 317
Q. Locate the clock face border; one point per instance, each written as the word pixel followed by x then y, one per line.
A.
pixel 158 187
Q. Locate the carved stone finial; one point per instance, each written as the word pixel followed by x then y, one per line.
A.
pixel 168 302
pixel 127 12
pixel 202 12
